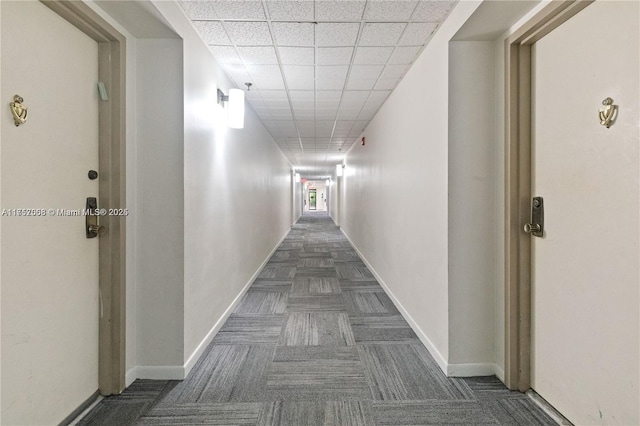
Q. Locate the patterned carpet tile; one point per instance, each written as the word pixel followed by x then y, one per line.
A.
pixel 350 271
pixel 306 374
pixel 316 285
pixel 320 413
pixel 401 372
pixel 345 256
pixel 317 328
pixel 204 414
pixel 360 285
pixel 317 341
pixel 381 329
pixel 431 412
pixel 262 303
pixel 368 303
pixel 278 272
pixel 315 303
pixel 251 329
pixel 317 272
pixel 315 262
pixel 272 286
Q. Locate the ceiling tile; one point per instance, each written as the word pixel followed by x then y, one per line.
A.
pixel 302 94
pixel 297 55
pixel 300 83
pixel 372 55
pixel 331 77
pixel 238 9
pixel 394 71
pixel 252 95
pixel 273 94
pixel 432 11
pixel 303 103
pixel 269 83
pixel 198 9
pixel 359 84
pixel 248 33
pixel 258 55
pixel 212 32
pixel 264 71
pixel 337 34
pixel 237 72
pixel 353 95
pixel 326 113
pixel 417 34
pixel 404 55
pixel 276 104
pixel 386 84
pixel 300 72
pixel 367 113
pixel 256 103
pixel 328 94
pixel 365 72
pixel 378 97
pixel 291 10
pixel 339 10
pixel 334 55
pixel 225 54
pixel 381 34
pixel 293 33
pixel 389 11
pixel 348 113
pixel 327 103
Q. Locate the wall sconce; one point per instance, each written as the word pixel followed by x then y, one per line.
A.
pixel 298 179
pixel 328 182
pixel 235 119
pixel 339 168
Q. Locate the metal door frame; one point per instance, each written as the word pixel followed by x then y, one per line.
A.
pixel 111 140
pixel 517 372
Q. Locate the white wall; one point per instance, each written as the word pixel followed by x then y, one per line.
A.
pixel 334 200
pixel 237 195
pixel 435 164
pixel 159 206
pixel 321 195
pixel 473 166
pixel 395 189
pixel 296 198
pixel 232 186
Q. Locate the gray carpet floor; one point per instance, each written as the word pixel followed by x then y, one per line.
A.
pixel 317 341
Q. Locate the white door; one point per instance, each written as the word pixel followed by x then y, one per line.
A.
pixel 49 268
pixel 586 277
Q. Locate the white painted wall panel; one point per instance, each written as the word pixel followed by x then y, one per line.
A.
pixel 395 206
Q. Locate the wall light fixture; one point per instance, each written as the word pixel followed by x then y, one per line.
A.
pixel 235 99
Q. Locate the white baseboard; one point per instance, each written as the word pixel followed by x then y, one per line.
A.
pixel 472 369
pixel 414 326
pixel 451 370
pixel 160 372
pixel 130 376
pixel 179 372
pixel 218 325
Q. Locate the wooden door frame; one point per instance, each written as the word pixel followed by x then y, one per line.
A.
pixel 111 189
pixel 518 96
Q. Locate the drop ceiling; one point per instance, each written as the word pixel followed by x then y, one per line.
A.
pixel 320 69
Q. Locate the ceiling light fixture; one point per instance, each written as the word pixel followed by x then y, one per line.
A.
pixel 235 119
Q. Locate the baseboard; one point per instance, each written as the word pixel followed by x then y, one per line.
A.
pixel 414 326
pixel 160 372
pixel 195 355
pixel 472 369
pixel 180 372
pixel 451 370
pixel 130 376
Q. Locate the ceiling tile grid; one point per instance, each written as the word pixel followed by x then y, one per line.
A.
pixel 320 69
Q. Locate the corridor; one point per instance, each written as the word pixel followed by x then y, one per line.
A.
pixel 316 341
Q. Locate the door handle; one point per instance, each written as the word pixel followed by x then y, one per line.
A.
pixel 536 227
pixel 91 214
